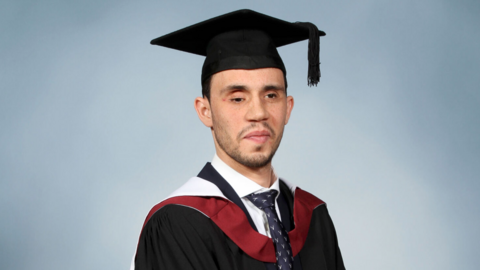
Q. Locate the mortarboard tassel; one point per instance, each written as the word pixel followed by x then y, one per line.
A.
pixel 313 53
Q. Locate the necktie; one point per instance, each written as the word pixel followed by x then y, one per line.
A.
pixel 266 202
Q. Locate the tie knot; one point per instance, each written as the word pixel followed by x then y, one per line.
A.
pixel 264 199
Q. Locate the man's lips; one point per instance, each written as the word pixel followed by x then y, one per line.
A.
pixel 258 136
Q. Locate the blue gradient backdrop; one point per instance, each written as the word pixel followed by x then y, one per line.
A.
pixel 96 126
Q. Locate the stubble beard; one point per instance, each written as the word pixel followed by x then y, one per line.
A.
pixel 232 149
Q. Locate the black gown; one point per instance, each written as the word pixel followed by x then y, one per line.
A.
pixel 180 236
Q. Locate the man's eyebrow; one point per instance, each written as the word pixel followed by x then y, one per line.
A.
pixel 241 87
pixel 273 87
pixel 233 87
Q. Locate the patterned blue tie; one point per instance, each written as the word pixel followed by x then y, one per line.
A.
pixel 266 202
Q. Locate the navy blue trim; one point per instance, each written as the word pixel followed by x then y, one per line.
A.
pixel 284 211
pixel 285 203
pixel 210 174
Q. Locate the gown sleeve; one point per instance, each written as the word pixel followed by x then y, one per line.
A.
pixel 178 237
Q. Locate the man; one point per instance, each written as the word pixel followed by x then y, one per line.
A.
pixel 237 213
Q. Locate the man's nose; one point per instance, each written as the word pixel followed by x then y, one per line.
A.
pixel 257 110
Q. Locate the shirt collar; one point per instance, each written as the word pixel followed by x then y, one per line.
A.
pixel 242 185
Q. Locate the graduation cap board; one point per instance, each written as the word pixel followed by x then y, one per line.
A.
pixel 245 39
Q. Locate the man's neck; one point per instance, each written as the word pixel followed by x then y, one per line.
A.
pixel 263 176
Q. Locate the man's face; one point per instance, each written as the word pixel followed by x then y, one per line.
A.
pixel 249 109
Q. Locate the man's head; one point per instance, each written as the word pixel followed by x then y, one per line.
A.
pixel 247 112
pixel 244 79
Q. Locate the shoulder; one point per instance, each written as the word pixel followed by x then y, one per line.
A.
pixel 174 218
pixel 182 209
pixel 308 199
pixel 175 214
pixel 179 222
pixel 197 193
pixel 174 233
pixel 181 205
pixel 195 201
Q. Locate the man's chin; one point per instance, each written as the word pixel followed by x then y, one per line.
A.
pixel 256 160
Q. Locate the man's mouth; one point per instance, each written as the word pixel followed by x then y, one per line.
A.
pixel 258 136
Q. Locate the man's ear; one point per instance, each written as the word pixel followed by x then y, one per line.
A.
pixel 204 112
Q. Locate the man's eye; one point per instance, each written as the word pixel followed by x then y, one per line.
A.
pixel 271 95
pixel 237 100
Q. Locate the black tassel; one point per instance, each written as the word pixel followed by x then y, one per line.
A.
pixel 313 53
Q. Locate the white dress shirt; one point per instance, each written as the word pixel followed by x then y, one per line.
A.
pixel 243 186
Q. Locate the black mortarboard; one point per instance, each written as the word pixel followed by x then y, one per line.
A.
pixel 244 39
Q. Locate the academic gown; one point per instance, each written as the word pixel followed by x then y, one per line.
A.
pixel 204 225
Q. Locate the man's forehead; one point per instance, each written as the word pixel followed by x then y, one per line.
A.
pixel 248 78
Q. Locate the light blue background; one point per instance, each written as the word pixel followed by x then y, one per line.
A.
pixel 96 126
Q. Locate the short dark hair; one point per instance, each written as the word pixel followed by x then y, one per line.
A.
pixel 206 86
